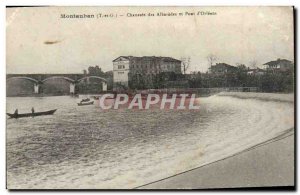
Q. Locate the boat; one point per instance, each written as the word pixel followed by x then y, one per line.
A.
pixel 85 103
pixel 85 100
pixel 50 112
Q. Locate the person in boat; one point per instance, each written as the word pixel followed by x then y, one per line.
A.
pixel 85 100
pixel 16 112
pixel 32 110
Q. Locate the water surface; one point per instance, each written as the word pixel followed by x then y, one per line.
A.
pixel 85 147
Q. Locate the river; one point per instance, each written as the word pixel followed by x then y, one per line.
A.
pixel 85 147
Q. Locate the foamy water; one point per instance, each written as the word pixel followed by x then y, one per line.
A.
pixel 84 147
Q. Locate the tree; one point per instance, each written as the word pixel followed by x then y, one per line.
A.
pixel 241 67
pixel 253 64
pixel 211 58
pixel 95 71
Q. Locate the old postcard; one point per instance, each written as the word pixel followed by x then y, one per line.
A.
pixel 149 97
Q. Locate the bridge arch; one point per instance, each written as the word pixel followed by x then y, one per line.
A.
pixel 26 78
pixel 59 77
pixel 96 77
pixel 69 80
pixel 103 81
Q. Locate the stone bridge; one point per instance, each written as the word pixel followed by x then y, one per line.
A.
pixel 40 79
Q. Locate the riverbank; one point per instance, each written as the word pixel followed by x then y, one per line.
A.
pixel 265 165
pixel 281 97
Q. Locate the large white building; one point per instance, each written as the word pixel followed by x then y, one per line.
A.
pixel 125 67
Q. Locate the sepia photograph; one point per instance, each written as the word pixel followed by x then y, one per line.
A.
pixel 150 97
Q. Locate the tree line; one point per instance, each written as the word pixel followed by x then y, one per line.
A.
pixel 268 82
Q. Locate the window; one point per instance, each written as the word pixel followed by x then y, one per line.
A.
pixel 121 66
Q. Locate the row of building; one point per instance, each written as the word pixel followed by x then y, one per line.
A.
pixel 279 65
pixel 125 68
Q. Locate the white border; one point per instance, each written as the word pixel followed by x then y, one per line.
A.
pixel 154 2
pixel 106 3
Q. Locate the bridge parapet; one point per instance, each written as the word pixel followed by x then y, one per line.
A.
pixel 40 79
pixel 44 77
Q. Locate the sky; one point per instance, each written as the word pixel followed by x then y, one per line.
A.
pixel 39 41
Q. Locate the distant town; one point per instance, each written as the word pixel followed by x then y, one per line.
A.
pixel 132 73
pixel 151 72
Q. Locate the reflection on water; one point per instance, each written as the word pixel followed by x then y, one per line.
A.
pixel 84 147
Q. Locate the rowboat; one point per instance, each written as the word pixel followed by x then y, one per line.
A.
pixel 85 103
pixel 50 112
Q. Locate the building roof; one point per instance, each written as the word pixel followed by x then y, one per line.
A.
pixel 126 57
pixel 275 62
pixel 224 65
pixel 169 59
